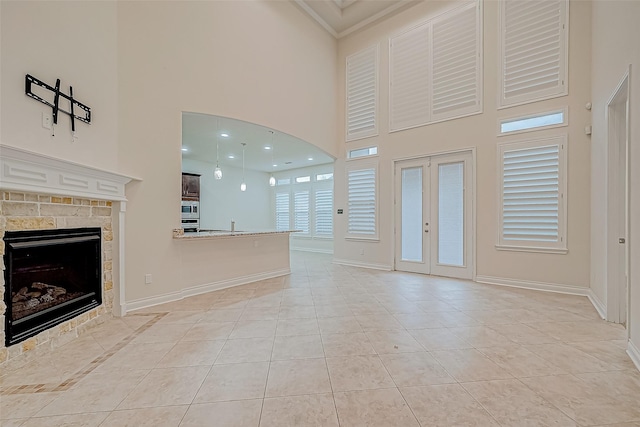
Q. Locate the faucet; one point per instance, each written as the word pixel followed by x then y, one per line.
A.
pixel 233 226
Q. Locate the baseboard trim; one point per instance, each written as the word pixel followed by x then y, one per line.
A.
pixel 597 304
pixel 120 310
pixel 202 289
pixel 316 251
pixel 352 263
pixel 537 286
pixel 633 353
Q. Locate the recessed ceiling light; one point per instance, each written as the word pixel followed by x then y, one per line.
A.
pixel 310 158
pixel 275 166
pixel 231 156
pixel 185 149
pixel 224 135
pixel 266 147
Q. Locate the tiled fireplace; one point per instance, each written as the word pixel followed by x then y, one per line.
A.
pixel 71 216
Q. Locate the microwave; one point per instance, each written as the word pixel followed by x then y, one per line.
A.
pixel 190 209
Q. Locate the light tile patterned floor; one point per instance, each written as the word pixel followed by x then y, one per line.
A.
pixel 333 345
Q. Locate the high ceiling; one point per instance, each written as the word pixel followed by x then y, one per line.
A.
pixel 338 17
pixel 199 133
pixel 342 17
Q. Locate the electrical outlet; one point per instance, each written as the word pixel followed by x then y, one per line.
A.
pixel 148 279
pixel 47 120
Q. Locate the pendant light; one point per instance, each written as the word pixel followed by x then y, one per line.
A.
pixel 272 180
pixel 217 172
pixel 243 186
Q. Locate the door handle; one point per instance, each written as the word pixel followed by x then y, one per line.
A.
pixel 621 240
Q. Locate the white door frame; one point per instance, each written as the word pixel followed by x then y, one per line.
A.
pixel 472 245
pixel 618 292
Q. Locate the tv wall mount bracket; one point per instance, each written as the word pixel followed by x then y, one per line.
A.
pixel 74 105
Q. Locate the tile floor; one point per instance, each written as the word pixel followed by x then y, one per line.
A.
pixel 338 346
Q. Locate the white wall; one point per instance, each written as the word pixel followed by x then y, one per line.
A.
pixel 478 131
pixel 222 201
pixel 263 62
pixel 75 42
pixel 615 47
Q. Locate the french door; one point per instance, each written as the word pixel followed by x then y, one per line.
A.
pixel 433 221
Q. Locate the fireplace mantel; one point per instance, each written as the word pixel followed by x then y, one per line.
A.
pixel 26 171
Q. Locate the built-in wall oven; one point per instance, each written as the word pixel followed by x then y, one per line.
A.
pixel 190 215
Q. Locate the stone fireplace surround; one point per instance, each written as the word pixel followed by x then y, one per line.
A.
pixel 40 192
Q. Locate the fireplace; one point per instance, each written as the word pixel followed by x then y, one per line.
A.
pixel 51 276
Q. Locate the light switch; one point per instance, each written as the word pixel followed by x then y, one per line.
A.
pixel 46 120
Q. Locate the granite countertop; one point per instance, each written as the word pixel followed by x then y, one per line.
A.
pixel 212 234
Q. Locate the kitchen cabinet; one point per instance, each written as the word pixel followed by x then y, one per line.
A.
pixel 190 186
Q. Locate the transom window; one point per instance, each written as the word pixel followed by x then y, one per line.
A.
pixel 362 152
pixel 533 122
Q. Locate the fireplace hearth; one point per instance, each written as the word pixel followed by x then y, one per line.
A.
pixel 51 276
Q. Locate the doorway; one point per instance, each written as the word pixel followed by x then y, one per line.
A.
pixel 433 215
pixel 618 203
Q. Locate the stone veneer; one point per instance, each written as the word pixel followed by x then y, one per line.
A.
pixel 27 211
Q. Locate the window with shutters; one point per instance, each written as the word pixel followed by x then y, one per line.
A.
pixel 533 50
pixel 301 211
pixel 282 211
pixel 532 195
pixel 324 213
pixel 306 205
pixel 435 69
pixel 362 202
pixel 362 94
pixel 456 67
pixel 409 79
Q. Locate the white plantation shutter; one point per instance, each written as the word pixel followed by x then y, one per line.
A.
pixel 362 94
pixel 301 211
pixel 362 202
pixel 534 43
pixel 409 79
pixel 282 211
pixel 456 64
pixel 324 213
pixel 533 204
pixel 435 70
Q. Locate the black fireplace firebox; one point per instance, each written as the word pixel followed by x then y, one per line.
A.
pixel 50 276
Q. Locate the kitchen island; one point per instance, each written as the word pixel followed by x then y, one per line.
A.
pixel 212 234
pixel 218 259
